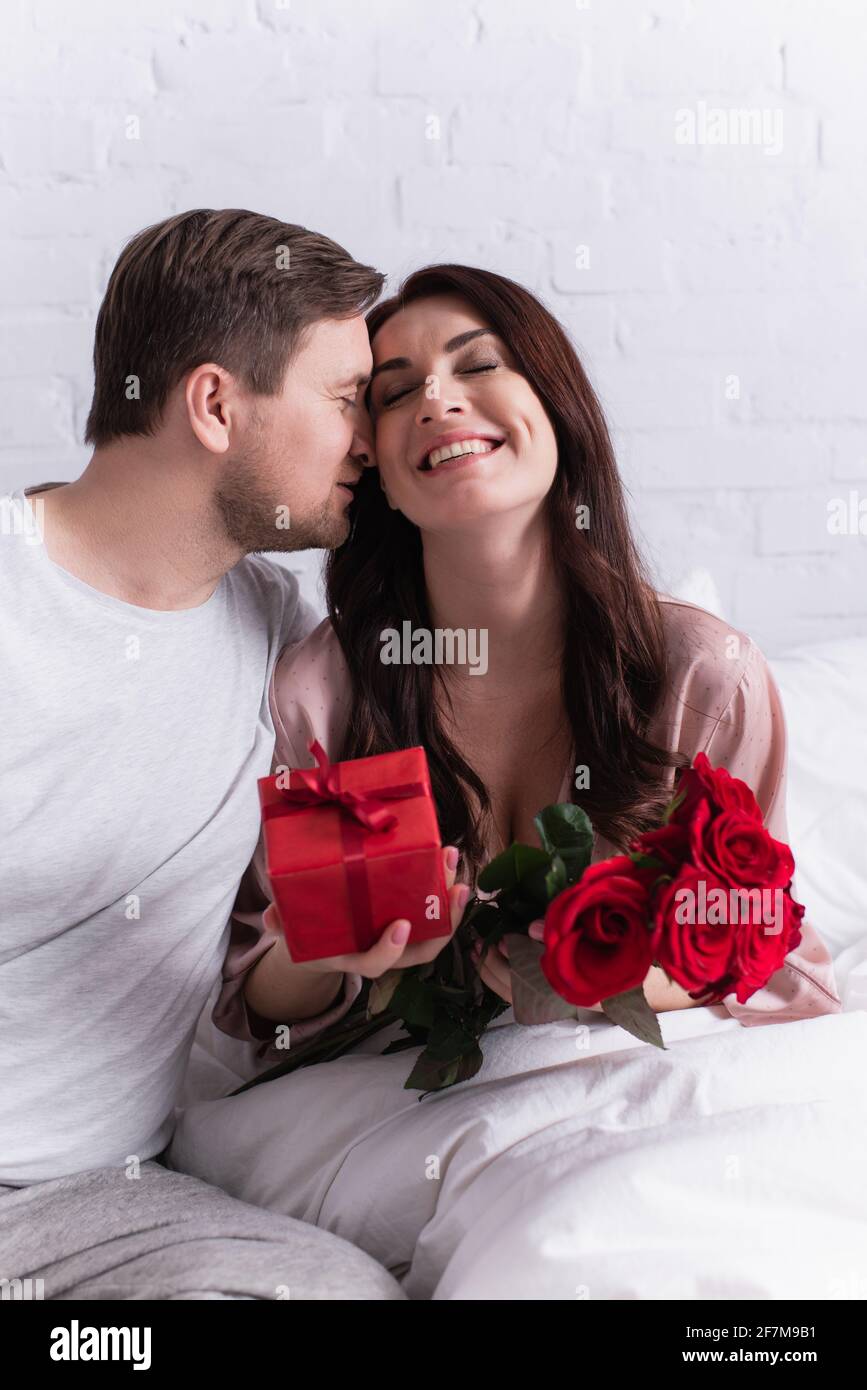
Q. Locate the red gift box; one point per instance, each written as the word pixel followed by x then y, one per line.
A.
pixel 349 848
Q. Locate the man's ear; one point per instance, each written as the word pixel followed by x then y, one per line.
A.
pixel 210 402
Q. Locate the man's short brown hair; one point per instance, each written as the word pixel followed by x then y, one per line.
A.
pixel 232 287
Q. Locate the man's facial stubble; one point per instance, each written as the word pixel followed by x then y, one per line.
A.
pixel 256 511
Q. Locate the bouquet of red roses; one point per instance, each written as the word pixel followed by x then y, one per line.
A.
pixel 706 896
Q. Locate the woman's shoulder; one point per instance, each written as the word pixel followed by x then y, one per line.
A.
pixel 708 660
pixel 318 650
pixel 310 696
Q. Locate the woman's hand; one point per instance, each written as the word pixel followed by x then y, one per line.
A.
pixel 494 969
pixel 391 951
pixel 660 992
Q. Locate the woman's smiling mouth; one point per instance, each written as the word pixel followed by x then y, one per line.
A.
pixel 453 453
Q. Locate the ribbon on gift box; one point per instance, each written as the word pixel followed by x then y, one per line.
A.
pixel 360 812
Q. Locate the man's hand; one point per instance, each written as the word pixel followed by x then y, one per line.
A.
pixel 391 951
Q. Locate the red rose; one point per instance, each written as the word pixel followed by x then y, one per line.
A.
pixel 670 844
pixel 704 783
pixel 794 916
pixel 736 847
pixel 598 936
pixel 699 955
pixel 761 947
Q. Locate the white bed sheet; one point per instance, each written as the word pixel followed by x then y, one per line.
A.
pixel 576 1164
pixel 732 1165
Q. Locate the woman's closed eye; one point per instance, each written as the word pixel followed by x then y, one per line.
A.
pixel 398 394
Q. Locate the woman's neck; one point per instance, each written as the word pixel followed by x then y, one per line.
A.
pixel 502 582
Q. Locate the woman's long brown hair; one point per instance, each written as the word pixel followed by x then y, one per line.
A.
pixel 614 663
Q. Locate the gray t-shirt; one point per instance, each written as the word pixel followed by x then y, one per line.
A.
pixel 131 744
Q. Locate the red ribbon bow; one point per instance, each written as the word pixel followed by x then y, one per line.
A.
pixel 320 785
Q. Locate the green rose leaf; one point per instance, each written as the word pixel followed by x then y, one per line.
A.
pixel 382 991
pixel 539 887
pixel 430 1075
pixel 452 1055
pixel 632 1011
pixel 474 909
pixel 565 830
pixel 533 998
pixel 414 1000
pixel 485 921
pixel 448 1039
pixel 557 877
pixel 521 906
pixel 510 867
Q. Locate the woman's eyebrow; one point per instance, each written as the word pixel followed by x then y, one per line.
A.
pixel 452 345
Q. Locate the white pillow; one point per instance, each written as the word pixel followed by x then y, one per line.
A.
pixel 824 690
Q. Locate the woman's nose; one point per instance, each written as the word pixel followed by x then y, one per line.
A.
pixel 437 409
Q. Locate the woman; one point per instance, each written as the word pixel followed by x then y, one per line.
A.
pixel 586 668
pixel 495 507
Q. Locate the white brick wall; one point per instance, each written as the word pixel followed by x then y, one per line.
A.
pixel 721 314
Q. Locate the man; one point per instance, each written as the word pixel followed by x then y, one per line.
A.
pixel 139 631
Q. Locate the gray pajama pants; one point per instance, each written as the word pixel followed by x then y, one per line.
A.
pixel 166 1235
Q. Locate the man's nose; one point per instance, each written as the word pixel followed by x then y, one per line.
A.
pixel 361 450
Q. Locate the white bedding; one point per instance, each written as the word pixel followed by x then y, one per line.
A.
pixel 734 1164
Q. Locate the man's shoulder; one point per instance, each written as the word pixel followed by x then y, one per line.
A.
pixel 274 592
pixel 266 574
